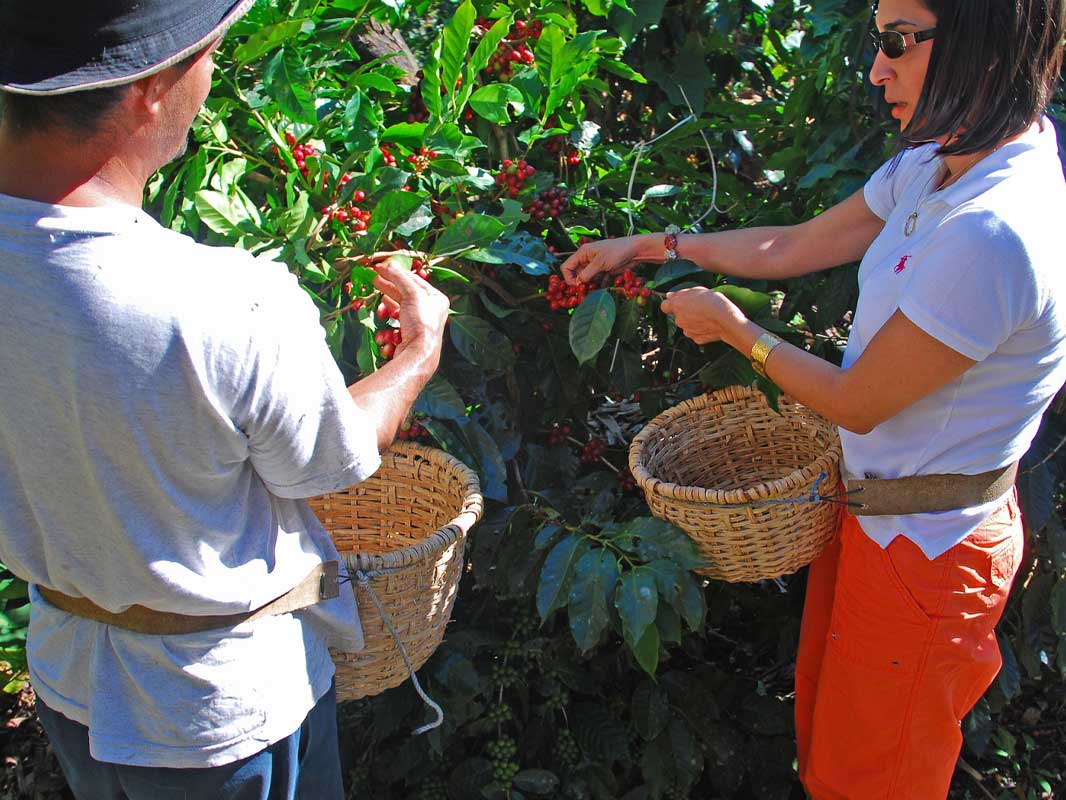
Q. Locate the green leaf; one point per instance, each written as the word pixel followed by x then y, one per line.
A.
pixel 266 39
pixel 288 82
pixel 668 578
pixel 646 650
pixel 660 190
pixel 691 604
pixel 522 248
pixel 491 468
pixel 480 343
pixel 591 325
pixel 13 589
pixel 296 221
pixel 753 304
pixel 650 709
pixel 468 232
pixel 1058 608
pixel 594 582
pixel 375 80
pixel 622 70
pixel 455 45
pixel 554 587
pixel 409 134
pixel 537 782
pixel 221 213
pixel 673 760
pixel 494 100
pixel 393 210
pixel 1010 675
pixel 653 539
pixel 673 270
pixel 440 399
pixel 637 602
pixel 488 45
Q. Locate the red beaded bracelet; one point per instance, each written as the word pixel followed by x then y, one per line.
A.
pixel 670 242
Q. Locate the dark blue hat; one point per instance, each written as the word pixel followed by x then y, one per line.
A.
pixel 73 45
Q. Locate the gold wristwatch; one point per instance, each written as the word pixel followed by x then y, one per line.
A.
pixel 761 350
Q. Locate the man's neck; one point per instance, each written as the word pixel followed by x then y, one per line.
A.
pixel 63 171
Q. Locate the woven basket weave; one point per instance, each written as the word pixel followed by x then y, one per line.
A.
pixel 408 521
pixel 709 464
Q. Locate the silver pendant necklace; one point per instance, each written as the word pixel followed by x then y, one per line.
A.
pixel 912 218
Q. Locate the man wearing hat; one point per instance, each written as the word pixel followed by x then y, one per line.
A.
pixel 165 408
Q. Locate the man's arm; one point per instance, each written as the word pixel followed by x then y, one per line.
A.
pixel 388 394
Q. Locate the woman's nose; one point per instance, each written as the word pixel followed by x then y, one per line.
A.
pixel 882 70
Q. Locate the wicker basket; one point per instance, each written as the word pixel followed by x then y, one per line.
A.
pixel 709 465
pixel 408 522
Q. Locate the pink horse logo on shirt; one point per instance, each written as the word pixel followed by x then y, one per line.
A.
pixel 902 265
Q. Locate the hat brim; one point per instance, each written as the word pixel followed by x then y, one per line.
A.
pixel 121 64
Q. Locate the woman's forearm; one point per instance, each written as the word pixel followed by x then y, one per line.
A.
pixel 761 252
pixel 839 235
pixel 808 379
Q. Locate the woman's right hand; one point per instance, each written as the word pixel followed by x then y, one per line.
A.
pixel 610 256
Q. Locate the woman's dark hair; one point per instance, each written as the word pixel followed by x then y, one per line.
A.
pixel 993 70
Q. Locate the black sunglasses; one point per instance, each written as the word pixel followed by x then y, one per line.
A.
pixel 894 44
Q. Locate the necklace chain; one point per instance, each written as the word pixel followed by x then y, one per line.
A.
pixel 912 218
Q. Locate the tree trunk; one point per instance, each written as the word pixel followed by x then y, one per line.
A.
pixel 377 39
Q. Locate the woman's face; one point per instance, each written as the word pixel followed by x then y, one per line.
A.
pixel 902 78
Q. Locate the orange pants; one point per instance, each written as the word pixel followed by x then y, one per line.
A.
pixel 894 650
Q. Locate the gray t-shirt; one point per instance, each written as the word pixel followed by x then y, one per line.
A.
pixel 166 405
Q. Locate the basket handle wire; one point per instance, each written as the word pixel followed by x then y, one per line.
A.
pixel 362 577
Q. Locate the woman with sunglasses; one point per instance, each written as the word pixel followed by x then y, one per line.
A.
pixel 958 346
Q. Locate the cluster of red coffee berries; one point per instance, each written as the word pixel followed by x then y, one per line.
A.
pixel 387 154
pixel 412 430
pixel 573 157
pixel 416 108
pixel 387 340
pixel 592 451
pixel 549 203
pixel 502 62
pixel 632 286
pixel 358 217
pixel 626 480
pixel 559 434
pixel 300 153
pixel 420 268
pixel 514 49
pixel 513 176
pixel 562 295
pixel 420 160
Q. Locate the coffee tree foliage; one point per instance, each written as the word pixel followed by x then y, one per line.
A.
pixel 585 658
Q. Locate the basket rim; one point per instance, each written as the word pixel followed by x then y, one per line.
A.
pixel 766 490
pixel 446 535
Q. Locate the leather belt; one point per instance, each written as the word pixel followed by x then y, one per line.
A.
pixel 921 494
pixel 322 583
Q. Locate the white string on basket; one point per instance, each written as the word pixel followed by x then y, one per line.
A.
pixel 638 152
pixel 362 577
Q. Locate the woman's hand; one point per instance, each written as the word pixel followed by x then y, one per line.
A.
pixel 606 255
pixel 703 315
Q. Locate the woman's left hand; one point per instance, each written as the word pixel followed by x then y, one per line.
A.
pixel 703 314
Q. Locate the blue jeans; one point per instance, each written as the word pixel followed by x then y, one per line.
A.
pixel 303 766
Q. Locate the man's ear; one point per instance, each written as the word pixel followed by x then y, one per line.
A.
pixel 148 93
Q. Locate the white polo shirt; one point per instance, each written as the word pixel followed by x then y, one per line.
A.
pixel 982 272
pixel 165 407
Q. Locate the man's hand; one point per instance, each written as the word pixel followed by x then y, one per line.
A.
pixel 702 314
pixel 423 309
pixel 388 393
